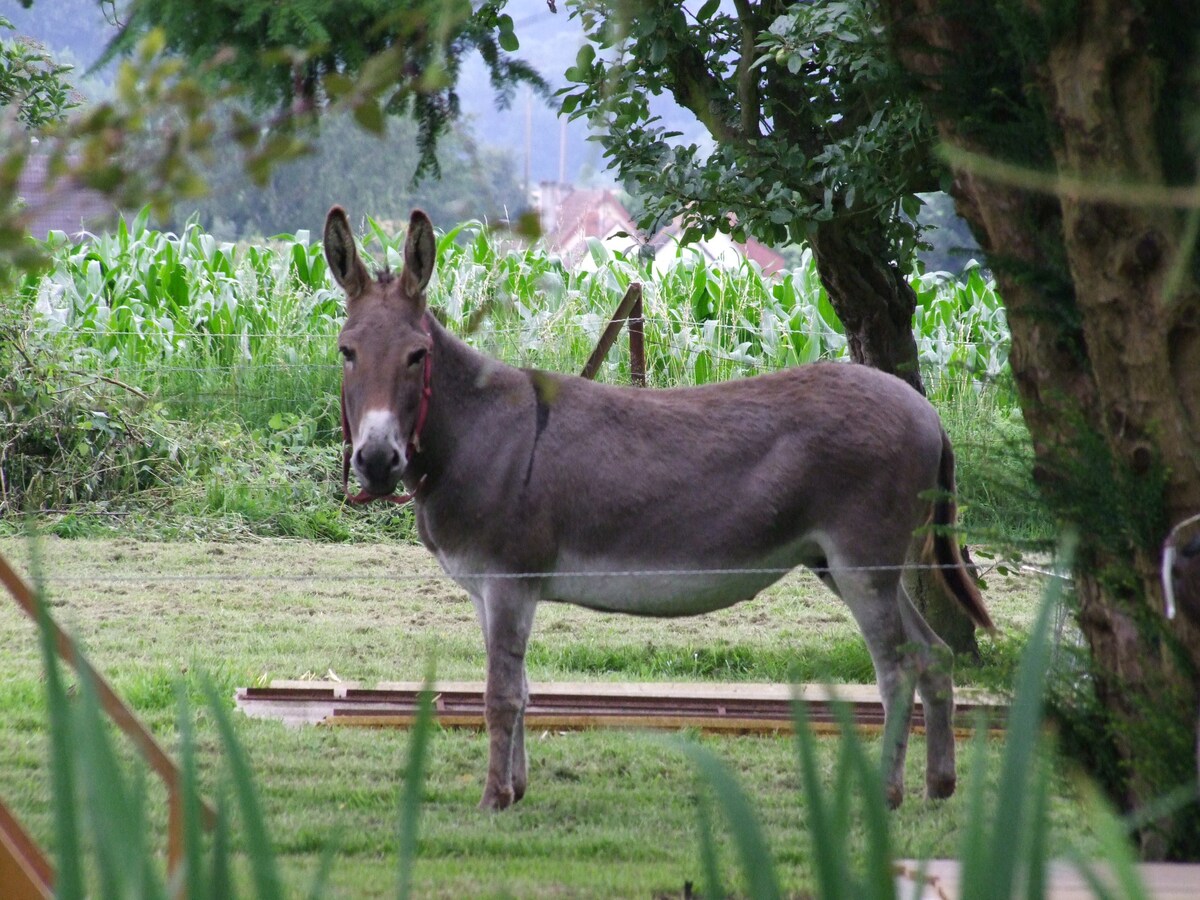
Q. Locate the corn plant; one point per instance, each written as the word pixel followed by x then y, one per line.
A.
pixel 240 339
pixel 145 298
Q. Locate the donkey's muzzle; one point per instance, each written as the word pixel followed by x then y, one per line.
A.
pixel 378 466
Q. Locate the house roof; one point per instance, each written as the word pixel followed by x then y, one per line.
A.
pixel 581 214
pixel 770 261
pixel 63 206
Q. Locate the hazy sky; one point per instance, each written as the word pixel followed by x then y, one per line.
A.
pixel 77 30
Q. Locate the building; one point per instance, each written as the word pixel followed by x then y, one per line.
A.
pixel 64 205
pixel 569 217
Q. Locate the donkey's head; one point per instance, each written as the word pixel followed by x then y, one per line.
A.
pixel 384 345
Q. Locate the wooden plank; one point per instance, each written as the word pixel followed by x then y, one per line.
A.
pixel 338 688
pixel 552 722
pixel 689 690
pixel 943 881
pixel 25 873
pixel 710 707
pixel 586 722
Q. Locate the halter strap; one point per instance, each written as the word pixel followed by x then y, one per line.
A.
pixel 414 440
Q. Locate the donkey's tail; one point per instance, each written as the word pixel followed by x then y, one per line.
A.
pixel 950 566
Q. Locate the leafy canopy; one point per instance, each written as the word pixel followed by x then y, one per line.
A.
pixel 808 113
pixel 374 57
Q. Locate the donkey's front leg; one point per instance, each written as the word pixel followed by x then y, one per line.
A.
pixel 507 620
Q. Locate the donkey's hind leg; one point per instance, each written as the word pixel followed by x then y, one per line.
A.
pixel 935 681
pixel 871 598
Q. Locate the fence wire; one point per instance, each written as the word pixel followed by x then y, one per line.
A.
pixel 519 330
pixel 781 571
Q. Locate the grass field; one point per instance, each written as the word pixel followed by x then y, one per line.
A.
pixel 174 414
pixel 608 814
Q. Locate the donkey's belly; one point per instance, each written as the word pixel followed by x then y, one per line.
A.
pixel 655 589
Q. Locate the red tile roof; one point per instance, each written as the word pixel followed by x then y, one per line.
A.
pixel 63 206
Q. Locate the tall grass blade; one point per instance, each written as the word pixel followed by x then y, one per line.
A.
pixel 878 879
pixel 992 866
pixel 109 807
pixel 410 797
pixel 1125 880
pixel 828 851
pixel 317 891
pixel 193 874
pixel 757 865
pixel 973 855
pixel 714 888
pixel 69 876
pixel 258 844
pixel 1038 837
pixel 221 875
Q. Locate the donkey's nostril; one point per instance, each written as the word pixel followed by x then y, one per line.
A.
pixel 377 463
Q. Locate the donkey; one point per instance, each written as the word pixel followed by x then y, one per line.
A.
pixel 532 486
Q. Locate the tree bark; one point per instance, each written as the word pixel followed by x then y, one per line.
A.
pixel 875 304
pixel 870 296
pixel 1104 311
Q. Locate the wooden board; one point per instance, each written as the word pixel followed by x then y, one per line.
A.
pixel 736 708
pixel 942 881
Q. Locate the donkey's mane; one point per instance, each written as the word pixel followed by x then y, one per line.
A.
pixel 385 276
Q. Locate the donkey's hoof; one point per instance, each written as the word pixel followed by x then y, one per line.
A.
pixel 941 788
pixel 496 798
pixel 894 796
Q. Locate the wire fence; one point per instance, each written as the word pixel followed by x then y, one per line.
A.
pixel 536 575
pixel 500 330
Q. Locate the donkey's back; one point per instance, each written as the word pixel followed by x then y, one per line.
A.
pixel 680 501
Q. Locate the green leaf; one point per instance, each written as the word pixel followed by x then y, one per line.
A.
pixel 508 38
pixel 758 868
pixel 369 115
pixel 414 777
pixel 258 844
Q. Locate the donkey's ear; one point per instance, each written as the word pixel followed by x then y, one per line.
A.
pixel 420 253
pixel 342 256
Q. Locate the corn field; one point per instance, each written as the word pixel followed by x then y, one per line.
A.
pixel 156 362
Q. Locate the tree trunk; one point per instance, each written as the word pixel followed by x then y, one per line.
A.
pixel 1105 317
pixel 875 304
pixel 870 296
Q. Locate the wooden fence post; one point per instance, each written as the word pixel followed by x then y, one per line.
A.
pixel 122 716
pixel 24 872
pixel 629 310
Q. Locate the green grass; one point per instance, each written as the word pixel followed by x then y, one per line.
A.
pixel 608 814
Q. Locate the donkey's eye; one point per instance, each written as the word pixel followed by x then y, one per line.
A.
pixel 347 353
pixel 416 356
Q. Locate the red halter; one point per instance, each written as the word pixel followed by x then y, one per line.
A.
pixel 414 441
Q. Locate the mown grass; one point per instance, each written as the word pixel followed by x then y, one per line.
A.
pixel 608 814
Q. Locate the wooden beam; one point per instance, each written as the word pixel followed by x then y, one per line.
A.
pixel 25 874
pixel 116 708
pixel 632 298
